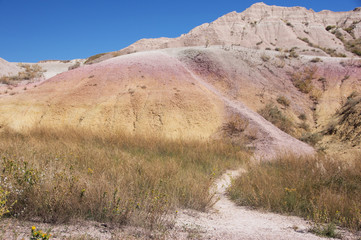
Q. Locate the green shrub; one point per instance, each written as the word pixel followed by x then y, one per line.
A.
pixel 4 205
pixel 276 117
pixel 303 79
pixel 311 138
pixel 315 60
pixel 283 101
pixel 265 57
pixel 354 46
pixel 302 116
pixel 328 28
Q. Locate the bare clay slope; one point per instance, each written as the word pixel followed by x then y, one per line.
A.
pixel 261 26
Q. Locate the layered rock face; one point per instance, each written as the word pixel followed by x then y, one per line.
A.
pixel 262 26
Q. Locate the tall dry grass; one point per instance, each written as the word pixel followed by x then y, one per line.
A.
pixel 321 189
pixel 55 175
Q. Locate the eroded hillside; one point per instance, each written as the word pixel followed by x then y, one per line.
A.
pixel 307 32
pixel 194 93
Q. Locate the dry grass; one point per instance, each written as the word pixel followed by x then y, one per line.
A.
pixel 57 175
pixel 320 189
pixel 302 80
pixel 93 58
pixel 30 72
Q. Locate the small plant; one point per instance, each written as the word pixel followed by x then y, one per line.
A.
pixel 305 40
pixel 76 65
pixel 235 125
pixel 4 208
pixel 328 28
pixel 39 235
pixel 293 54
pixel 280 63
pixel 302 116
pixel 315 60
pixel 282 56
pixel 94 57
pixel 315 95
pixel 265 57
pixel 283 101
pixel 354 46
pixel 303 79
pixel 311 138
pixel 304 126
pixel 206 45
pixel 327 230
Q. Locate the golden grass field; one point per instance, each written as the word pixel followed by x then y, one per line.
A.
pixel 55 175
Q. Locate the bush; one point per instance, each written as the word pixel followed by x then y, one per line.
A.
pixel 315 60
pixel 328 28
pixel 265 57
pixel 302 116
pixel 354 46
pixel 276 117
pixel 283 101
pixel 235 125
pixel 311 138
pixel 74 66
pixel 303 79
pixel 304 126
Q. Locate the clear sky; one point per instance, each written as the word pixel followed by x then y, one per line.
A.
pixel 33 30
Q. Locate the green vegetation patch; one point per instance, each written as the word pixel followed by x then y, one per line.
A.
pixel 271 113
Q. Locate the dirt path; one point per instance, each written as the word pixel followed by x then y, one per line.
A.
pixel 228 221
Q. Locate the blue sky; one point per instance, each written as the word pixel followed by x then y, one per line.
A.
pixel 33 30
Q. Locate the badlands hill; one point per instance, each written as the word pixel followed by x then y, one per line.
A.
pixel 216 90
pixel 324 33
